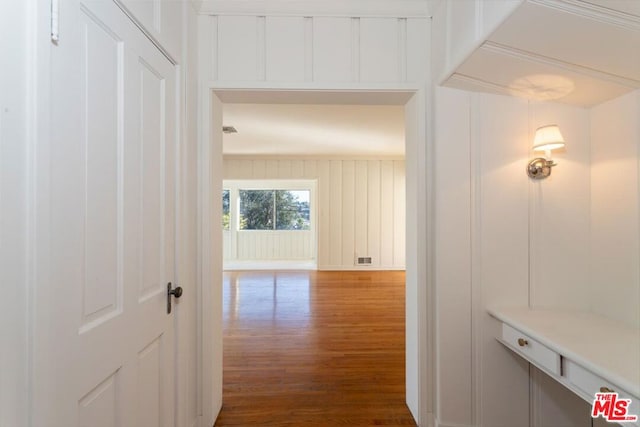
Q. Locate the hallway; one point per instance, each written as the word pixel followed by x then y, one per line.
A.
pixel 314 348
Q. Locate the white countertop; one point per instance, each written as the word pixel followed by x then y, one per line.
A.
pixel 606 347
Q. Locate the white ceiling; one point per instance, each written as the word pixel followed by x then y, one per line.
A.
pixel 580 53
pixel 314 130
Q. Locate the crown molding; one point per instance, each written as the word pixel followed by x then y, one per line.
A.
pixel 487 86
pixel 501 49
pixel 333 8
pixel 593 11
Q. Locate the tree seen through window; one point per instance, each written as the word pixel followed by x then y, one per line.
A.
pixel 274 210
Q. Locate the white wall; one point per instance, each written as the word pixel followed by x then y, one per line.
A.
pixel 502 239
pixel 360 206
pixel 314 49
pixel 615 213
pixel 15 141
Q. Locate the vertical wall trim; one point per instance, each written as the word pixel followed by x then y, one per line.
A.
pixel 637 170
pixel 476 260
pixel 402 49
pixel 308 49
pixel 213 48
pixel 157 15
pixel 447 37
pixel 355 49
pixel 537 396
pixel 261 48
pixel 380 218
pixel 479 20
pixel 532 219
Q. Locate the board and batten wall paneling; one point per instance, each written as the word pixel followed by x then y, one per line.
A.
pixel 348 212
pixel 238 49
pixel 499 134
pixel 331 55
pixel 560 207
pixel 335 212
pixel 297 49
pixel 373 208
pixel 386 211
pixel 380 59
pixel 453 257
pixel 527 243
pixel 285 49
pixel 361 205
pixel 361 190
pixel 615 209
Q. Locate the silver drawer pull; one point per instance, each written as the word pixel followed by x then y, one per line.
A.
pixel 522 342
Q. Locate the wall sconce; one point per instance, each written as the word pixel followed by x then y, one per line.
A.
pixel 547 138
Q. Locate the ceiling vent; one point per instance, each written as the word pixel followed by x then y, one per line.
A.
pixel 229 129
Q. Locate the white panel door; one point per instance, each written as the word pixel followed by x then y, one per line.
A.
pixel 109 338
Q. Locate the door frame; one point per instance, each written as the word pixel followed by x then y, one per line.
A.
pixel 420 301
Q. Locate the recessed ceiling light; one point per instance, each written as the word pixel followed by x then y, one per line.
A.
pixel 229 129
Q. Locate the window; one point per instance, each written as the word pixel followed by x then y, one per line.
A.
pixel 274 209
pixel 226 212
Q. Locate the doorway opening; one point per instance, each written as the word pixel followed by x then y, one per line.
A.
pixel 415 246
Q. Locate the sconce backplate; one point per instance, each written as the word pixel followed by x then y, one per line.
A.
pixel 539 168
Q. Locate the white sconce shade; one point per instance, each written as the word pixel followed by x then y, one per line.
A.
pixel 548 138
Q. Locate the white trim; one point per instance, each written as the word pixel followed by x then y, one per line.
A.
pixel 290 265
pixel 423 190
pixel 145 31
pixel 361 268
pixel 439 424
pixel 449 68
pixel 489 86
pixel 593 11
pixel 524 55
pixel 308 157
pixel 406 89
pixel 334 8
pixel 477 312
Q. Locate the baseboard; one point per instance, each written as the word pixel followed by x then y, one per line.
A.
pixel 359 268
pixel 270 265
pixel 443 424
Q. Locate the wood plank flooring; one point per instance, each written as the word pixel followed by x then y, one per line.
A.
pixel 314 349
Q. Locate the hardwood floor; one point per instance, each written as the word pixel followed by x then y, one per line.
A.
pixel 314 349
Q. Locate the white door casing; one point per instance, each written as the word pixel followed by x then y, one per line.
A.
pixel 106 348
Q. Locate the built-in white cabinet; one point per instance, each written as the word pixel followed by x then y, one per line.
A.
pixel 586 353
pixel 576 52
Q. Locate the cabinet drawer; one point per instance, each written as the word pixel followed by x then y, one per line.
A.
pixel 530 349
pixel 588 384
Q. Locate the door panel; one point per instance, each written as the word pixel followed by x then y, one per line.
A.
pixel 101 404
pixel 151 130
pixel 149 380
pixel 112 250
pixel 101 76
